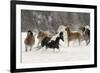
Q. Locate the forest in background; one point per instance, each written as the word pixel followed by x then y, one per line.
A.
pixel 50 20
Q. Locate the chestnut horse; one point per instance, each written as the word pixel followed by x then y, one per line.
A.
pixel 71 35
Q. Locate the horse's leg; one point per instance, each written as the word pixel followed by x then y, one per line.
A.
pixel 26 48
pixel 31 48
pixel 38 44
pixel 68 43
pixel 88 41
pixel 58 49
pixel 38 48
pixel 46 48
pixel 79 41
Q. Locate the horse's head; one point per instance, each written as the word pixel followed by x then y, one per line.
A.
pixel 29 33
pixel 68 30
pixel 61 36
pixel 82 29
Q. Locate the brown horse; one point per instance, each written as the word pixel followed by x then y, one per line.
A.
pixel 43 34
pixel 72 35
pixel 29 40
pixel 85 34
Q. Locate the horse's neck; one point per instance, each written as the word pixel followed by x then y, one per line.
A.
pixel 57 40
pixel 29 37
pixel 69 33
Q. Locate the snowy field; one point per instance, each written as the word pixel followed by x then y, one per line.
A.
pixel 72 53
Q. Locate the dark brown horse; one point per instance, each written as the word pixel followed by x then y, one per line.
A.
pixel 72 35
pixel 29 40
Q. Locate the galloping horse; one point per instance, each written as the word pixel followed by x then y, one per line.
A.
pixel 71 35
pixel 29 40
pixel 52 44
pixel 85 34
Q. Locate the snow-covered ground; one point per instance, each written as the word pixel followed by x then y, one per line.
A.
pixel 72 53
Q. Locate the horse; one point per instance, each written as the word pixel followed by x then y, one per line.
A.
pixel 85 34
pixel 72 35
pixel 53 44
pixel 29 40
pixel 42 35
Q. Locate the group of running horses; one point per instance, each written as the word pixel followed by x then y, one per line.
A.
pixel 45 38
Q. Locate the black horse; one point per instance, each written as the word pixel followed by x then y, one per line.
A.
pixel 53 44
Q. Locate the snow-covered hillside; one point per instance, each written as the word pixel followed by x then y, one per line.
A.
pixel 72 53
